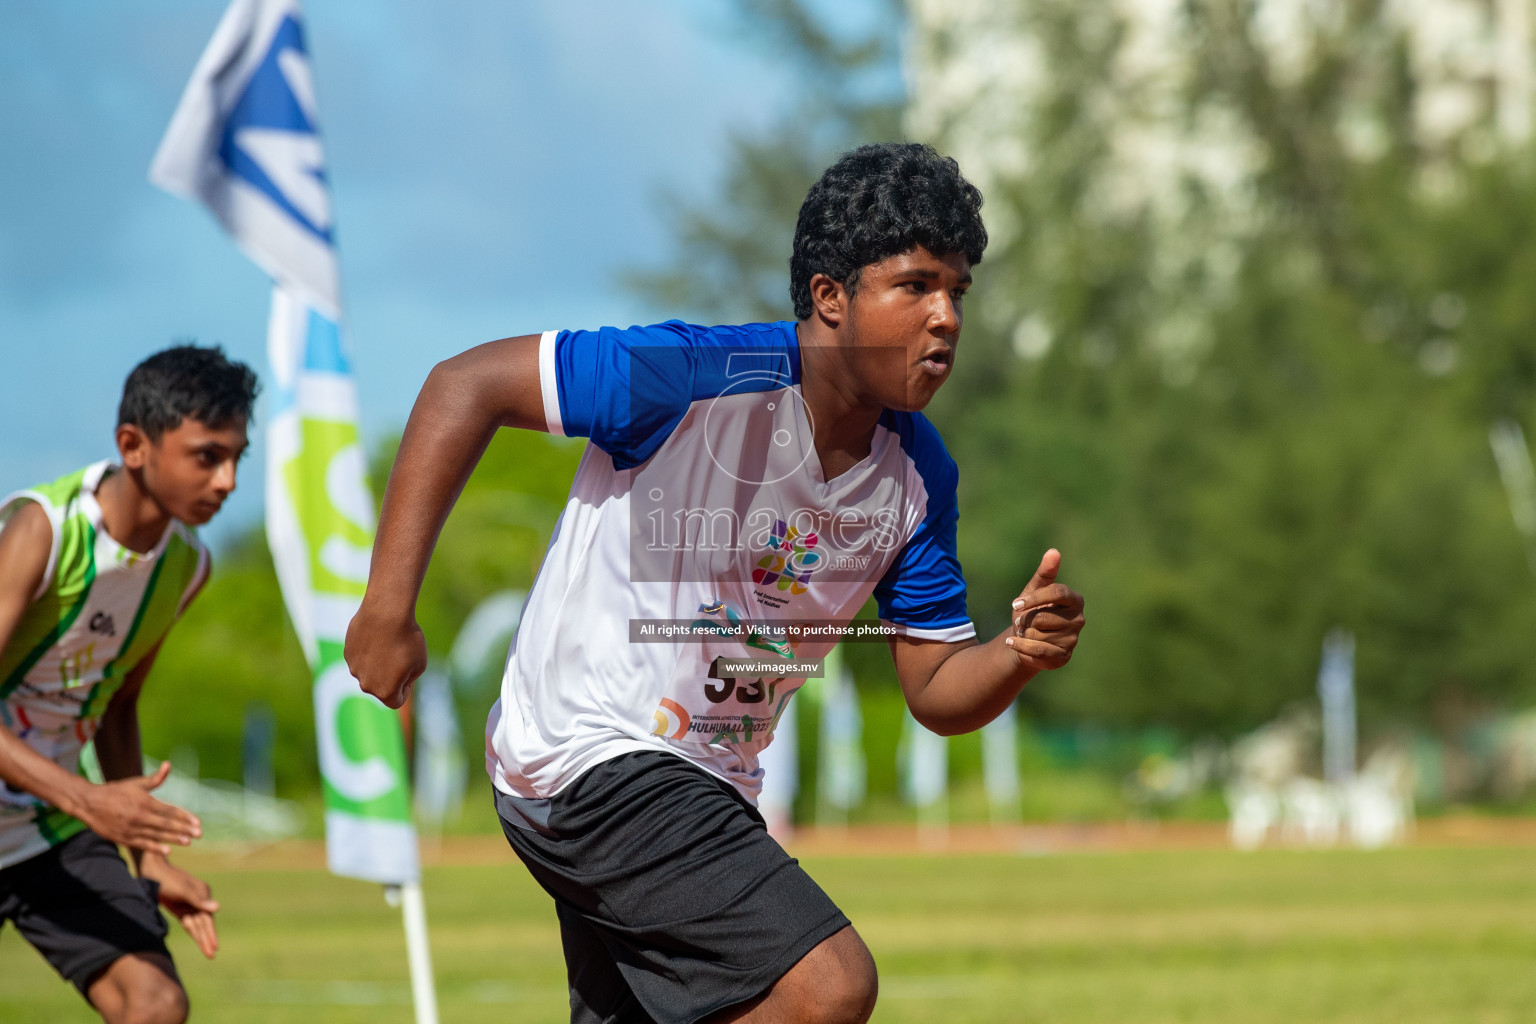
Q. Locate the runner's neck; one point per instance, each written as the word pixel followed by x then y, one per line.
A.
pixel 129 514
pixel 842 421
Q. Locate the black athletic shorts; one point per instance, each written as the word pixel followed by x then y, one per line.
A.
pixel 81 908
pixel 674 902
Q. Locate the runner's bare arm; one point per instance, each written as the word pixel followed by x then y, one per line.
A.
pixel 122 808
pixel 119 750
pixel 120 753
pixel 24 543
pixel 959 687
pixel 461 405
pixel 122 812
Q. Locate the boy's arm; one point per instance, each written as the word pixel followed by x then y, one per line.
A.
pixel 464 400
pixel 25 541
pixel 123 812
pixel 120 754
pixel 959 687
pixel 119 750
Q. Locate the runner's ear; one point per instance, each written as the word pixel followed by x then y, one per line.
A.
pixel 132 445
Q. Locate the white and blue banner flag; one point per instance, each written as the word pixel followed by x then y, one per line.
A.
pixel 245 142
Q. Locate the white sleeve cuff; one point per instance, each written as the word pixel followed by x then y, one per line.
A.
pixel 948 634
pixel 547 384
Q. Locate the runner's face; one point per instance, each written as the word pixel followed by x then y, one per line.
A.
pixel 190 470
pixel 905 315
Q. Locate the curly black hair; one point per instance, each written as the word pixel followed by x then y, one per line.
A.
pixel 183 381
pixel 879 201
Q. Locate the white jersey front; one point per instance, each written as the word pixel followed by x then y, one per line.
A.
pixel 700 500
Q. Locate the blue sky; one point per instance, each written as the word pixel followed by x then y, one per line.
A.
pixel 495 166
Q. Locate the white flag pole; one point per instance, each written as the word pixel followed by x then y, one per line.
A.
pixel 418 952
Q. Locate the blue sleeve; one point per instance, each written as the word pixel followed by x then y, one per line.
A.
pixel 627 389
pixel 924 590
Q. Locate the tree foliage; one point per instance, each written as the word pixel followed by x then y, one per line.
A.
pixel 1247 416
pixel 732 251
pixel 234 648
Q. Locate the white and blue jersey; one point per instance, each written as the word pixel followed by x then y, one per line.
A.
pixel 700 499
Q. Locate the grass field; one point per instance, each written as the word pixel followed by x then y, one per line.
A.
pixel 1400 936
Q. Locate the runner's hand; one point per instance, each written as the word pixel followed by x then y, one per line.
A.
pixel 187 898
pixel 1047 618
pixel 124 812
pixel 385 654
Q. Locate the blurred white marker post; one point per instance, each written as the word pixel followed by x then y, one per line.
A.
pixel 245 142
pixel 1514 458
pixel 841 771
pixel 925 779
pixel 487 633
pixel 1336 690
pixel 441 768
pixel 1000 765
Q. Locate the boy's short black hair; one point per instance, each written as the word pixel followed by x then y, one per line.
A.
pixel 880 201
pixel 187 381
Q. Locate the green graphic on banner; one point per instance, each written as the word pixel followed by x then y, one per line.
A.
pixel 321 520
pixel 362 751
pixel 338 544
pixel 320 488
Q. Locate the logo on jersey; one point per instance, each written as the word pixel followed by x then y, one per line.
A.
pixel 791 560
pixel 671 720
pixel 102 623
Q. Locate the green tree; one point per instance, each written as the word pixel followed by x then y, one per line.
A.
pixel 732 250
pixel 1249 396
pixel 1278 428
pixel 233 648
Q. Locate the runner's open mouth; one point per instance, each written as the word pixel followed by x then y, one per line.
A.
pixel 938 361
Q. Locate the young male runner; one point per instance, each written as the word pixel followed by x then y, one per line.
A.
pixel 95 568
pixel 737 478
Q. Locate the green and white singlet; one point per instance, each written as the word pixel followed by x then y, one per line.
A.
pixel 100 609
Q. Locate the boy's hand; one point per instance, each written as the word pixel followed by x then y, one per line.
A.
pixel 187 898
pixel 124 812
pixel 1047 618
pixel 386 654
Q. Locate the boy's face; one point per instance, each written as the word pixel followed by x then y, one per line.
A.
pixel 190 470
pixel 904 317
